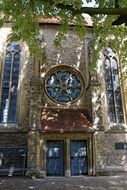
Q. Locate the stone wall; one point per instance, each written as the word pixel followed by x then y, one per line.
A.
pixel 12 139
pixel 26 73
pixel 73 52
pixel 109 159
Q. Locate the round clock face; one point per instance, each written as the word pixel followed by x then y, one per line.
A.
pixel 63 84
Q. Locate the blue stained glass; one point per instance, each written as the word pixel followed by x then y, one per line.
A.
pixel 15 71
pixel 10 84
pixel 7 71
pixel 74 80
pixel 16 58
pixel 63 76
pixel 63 86
pixel 5 91
pixel 15 77
pixel 63 99
pixel 14 84
pixel 78 90
pixel 6 84
pixel 108 78
pixel 15 65
pixel 109 86
pixel 74 94
pixel 12 116
pixel 113 87
pixel 4 104
pixel 69 90
pixel 12 104
pixel 52 79
pixel 6 77
pixel 52 91
pixel 3 118
pixel 7 66
pixel 112 118
pixel 57 89
pixel 14 46
pixel 13 97
pixel 120 118
pixel 8 58
pixel 57 82
pixel 64 93
pixel 13 91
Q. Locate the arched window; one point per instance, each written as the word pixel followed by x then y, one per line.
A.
pixel 113 89
pixel 10 84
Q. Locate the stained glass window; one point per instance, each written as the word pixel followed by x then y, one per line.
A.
pixel 64 84
pixel 113 86
pixel 10 84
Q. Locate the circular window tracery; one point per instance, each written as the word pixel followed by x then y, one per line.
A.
pixel 63 84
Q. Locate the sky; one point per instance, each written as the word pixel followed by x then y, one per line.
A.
pixel 92 4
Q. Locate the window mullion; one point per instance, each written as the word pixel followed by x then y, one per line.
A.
pixel 117 115
pixel 9 96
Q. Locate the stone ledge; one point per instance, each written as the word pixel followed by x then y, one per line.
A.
pixel 12 128
pixel 110 173
pixel 118 128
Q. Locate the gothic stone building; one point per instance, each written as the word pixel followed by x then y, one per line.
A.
pixel 56 119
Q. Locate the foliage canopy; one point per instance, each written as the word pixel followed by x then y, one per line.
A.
pixel 109 17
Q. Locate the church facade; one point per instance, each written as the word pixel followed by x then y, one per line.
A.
pixel 56 119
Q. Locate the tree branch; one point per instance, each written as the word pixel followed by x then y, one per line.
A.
pixel 105 11
pixel 94 11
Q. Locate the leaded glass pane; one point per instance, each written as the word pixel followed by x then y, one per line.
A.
pixel 112 118
pixel 113 87
pixel 10 84
pixel 14 46
pixel 120 118
pixel 63 85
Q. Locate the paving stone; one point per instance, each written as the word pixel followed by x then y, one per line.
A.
pixel 63 183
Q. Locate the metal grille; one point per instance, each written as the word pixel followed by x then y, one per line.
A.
pixel 13 161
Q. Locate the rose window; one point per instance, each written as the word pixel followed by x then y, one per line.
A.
pixel 64 84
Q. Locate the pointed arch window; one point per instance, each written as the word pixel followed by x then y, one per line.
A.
pixel 10 84
pixel 114 99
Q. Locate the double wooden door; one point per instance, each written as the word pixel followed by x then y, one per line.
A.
pixel 55 157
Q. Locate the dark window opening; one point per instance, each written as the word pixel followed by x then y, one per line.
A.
pixel 114 99
pixel 10 84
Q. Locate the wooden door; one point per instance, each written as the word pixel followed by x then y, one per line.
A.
pixel 54 158
pixel 78 157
